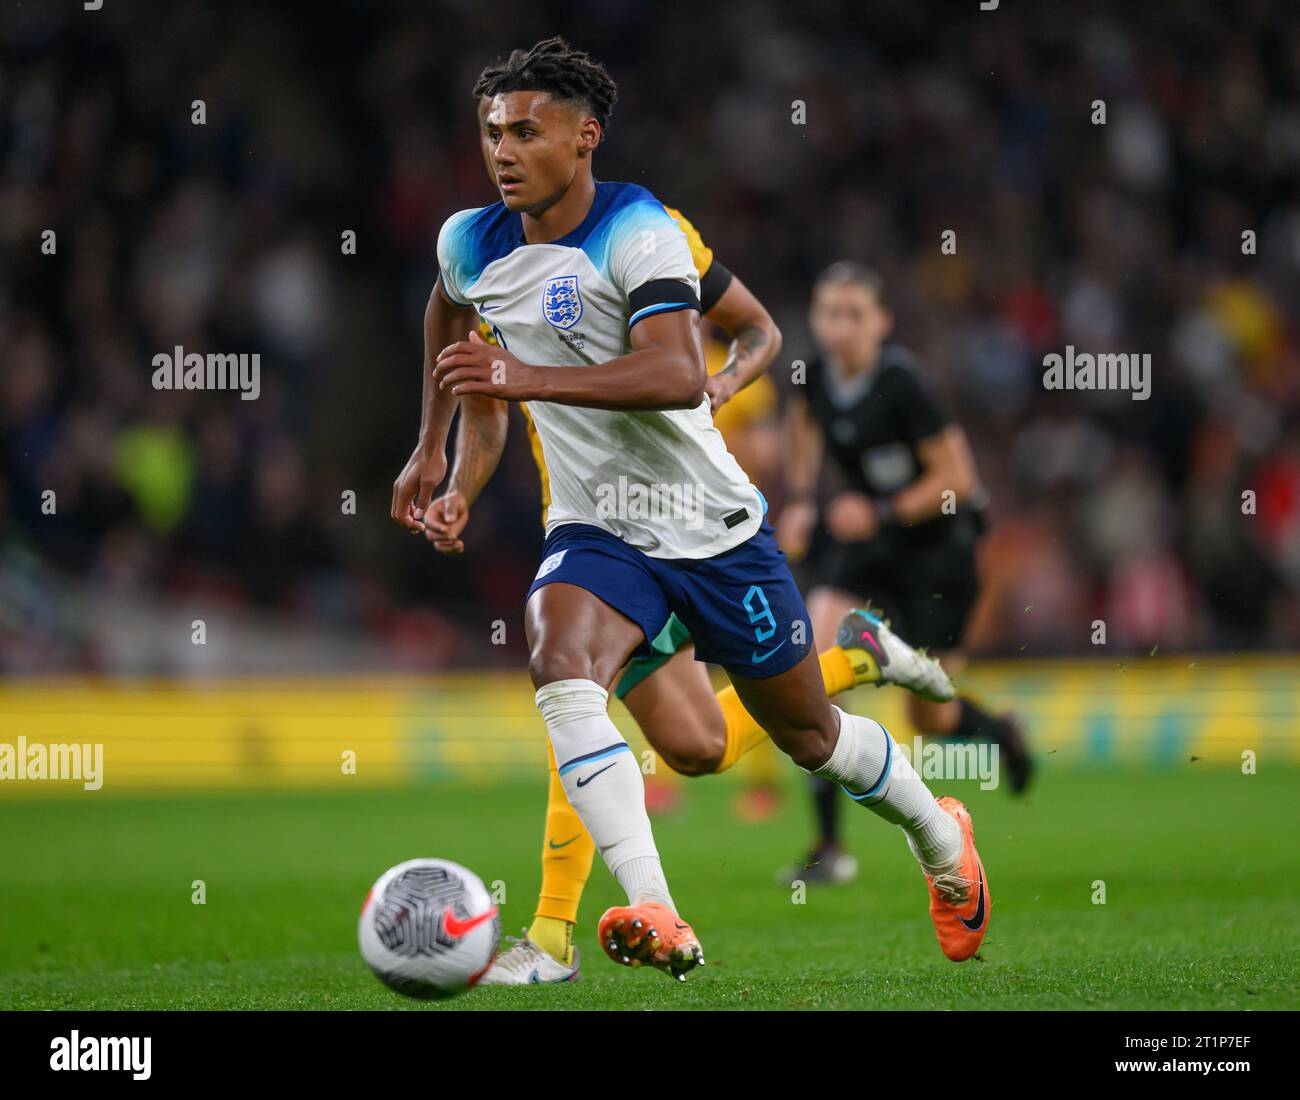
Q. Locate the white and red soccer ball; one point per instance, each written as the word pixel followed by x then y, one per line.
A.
pixel 429 928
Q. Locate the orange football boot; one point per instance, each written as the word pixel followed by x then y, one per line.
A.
pixel 959 899
pixel 650 934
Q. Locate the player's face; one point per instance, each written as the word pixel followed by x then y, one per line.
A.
pixel 533 145
pixel 849 323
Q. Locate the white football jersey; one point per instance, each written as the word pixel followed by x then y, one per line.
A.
pixel 661 480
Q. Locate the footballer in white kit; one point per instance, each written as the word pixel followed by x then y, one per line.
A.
pixel 591 292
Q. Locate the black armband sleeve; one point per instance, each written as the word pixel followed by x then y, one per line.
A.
pixel 661 296
pixel 713 285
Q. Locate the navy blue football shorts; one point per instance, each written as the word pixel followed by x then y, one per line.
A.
pixel 742 607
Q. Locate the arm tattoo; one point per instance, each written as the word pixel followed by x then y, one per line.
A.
pixel 479 444
pixel 749 341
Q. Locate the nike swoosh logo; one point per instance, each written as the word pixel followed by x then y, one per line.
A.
pixel 973 925
pixel 584 782
pixel 756 659
pixel 681 925
pixel 566 843
pixel 456 928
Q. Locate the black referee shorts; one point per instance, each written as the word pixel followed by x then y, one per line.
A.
pixel 927 592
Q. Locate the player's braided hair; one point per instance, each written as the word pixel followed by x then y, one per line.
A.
pixel 556 67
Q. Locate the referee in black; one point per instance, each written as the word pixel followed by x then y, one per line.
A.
pixel 900 536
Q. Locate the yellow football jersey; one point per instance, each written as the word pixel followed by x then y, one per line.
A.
pixel 701 253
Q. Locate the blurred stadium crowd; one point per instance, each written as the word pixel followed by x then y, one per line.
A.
pixel 226 237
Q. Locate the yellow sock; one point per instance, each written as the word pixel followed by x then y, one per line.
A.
pixel 765 765
pixel 837 671
pixel 554 936
pixel 743 733
pixel 567 852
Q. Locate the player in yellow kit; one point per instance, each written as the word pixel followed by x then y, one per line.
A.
pixel 669 694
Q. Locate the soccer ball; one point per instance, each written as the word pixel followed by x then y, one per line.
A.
pixel 428 928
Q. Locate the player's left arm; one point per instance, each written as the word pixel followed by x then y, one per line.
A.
pixel 664 370
pixel 755 343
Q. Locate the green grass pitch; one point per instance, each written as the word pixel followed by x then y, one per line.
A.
pixel 1201 871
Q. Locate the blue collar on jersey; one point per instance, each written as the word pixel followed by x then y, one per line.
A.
pixel 606 193
pixel 493 232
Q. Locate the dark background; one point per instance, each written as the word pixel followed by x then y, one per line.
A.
pixel 920 118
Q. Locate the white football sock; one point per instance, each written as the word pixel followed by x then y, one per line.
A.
pixel 603 782
pixel 875 773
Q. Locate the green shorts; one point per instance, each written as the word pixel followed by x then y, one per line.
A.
pixel 667 642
